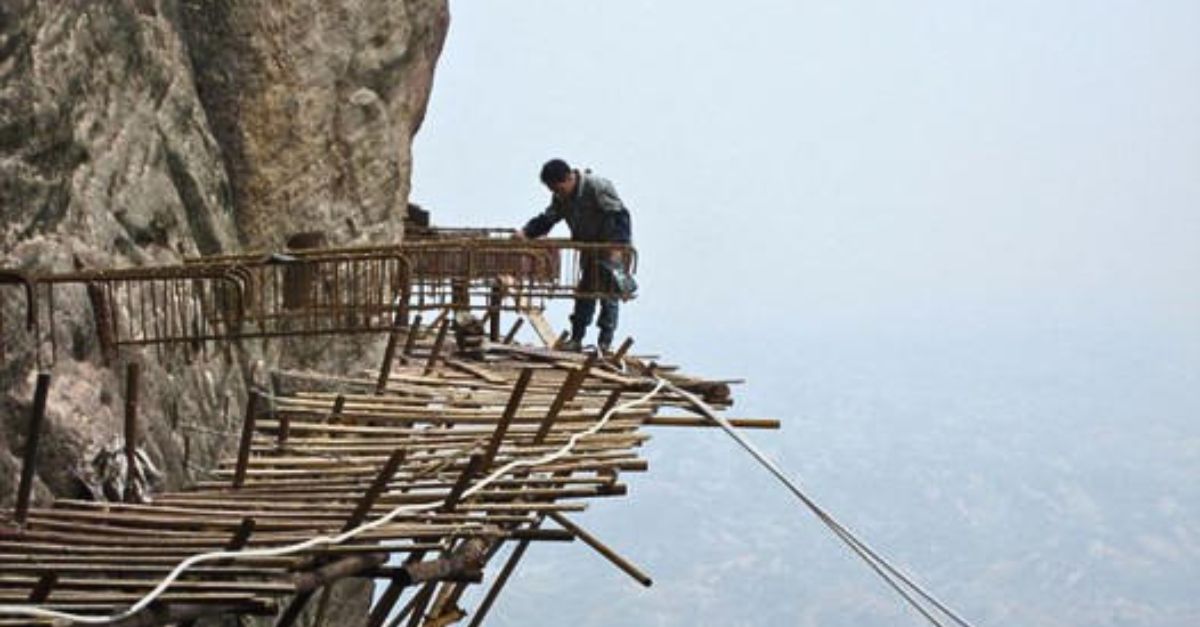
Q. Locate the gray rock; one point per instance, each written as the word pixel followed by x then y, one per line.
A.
pixel 137 132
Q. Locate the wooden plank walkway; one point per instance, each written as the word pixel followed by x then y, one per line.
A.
pixel 333 451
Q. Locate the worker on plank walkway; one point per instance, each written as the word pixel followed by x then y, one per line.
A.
pixel 594 213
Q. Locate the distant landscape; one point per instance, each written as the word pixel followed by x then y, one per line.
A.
pixel 952 245
pixel 1028 476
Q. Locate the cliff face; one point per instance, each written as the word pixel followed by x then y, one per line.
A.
pixel 314 105
pixel 141 131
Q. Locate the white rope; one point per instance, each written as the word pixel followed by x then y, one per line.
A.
pixel 39 612
pixel 896 579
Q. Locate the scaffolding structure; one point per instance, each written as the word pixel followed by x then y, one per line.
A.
pixel 321 454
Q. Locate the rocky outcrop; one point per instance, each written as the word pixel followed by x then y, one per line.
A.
pixel 314 104
pixel 106 160
pixel 137 132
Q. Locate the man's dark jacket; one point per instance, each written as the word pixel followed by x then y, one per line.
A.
pixel 594 213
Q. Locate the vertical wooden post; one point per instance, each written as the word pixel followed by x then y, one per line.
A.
pixel 363 509
pixel 389 355
pixel 420 602
pixel 512 333
pixel 624 348
pixel 494 312
pixel 385 603
pixel 437 345
pixel 411 340
pixel 241 536
pixel 243 458
pixel 133 376
pixel 474 466
pixel 392 594
pixel 514 403
pixel 284 425
pixel 283 419
pixel 460 294
pixel 102 316
pixel 29 461
pixel 335 415
pixel 570 386
pixel 610 403
pixel 276 388
pixel 405 296
pixel 43 587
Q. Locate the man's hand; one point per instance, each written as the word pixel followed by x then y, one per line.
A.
pixel 519 234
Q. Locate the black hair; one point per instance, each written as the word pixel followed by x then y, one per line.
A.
pixel 555 171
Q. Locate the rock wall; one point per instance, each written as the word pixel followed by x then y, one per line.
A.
pixel 314 104
pixel 138 132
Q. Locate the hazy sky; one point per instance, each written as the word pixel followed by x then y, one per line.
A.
pixel 807 179
pixel 862 156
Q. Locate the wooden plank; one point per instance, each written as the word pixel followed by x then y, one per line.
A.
pixel 541 327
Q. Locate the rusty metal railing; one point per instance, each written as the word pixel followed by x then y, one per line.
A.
pixel 322 291
pixel 272 296
pixel 462 268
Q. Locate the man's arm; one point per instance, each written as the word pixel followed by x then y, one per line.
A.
pixel 541 224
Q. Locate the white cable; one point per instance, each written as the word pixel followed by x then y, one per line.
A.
pixel 877 563
pixel 149 598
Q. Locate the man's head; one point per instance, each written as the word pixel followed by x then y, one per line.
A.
pixel 559 177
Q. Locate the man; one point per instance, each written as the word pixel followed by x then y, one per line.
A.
pixel 594 213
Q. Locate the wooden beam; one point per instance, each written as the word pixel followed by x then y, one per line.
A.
pixel 494 312
pixel 29 459
pixel 612 556
pixel 512 332
pixel 44 585
pixel 570 387
pixel 514 403
pixel 389 356
pixel 436 352
pixel 359 515
pixel 243 458
pixel 411 340
pixel 133 375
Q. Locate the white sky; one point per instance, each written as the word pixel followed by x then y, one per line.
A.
pixel 846 171
pixel 866 156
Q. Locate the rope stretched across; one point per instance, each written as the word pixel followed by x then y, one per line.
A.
pixel 896 579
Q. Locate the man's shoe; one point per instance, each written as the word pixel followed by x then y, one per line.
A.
pixel 571 346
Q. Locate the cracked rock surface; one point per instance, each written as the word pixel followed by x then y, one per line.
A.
pixel 140 132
